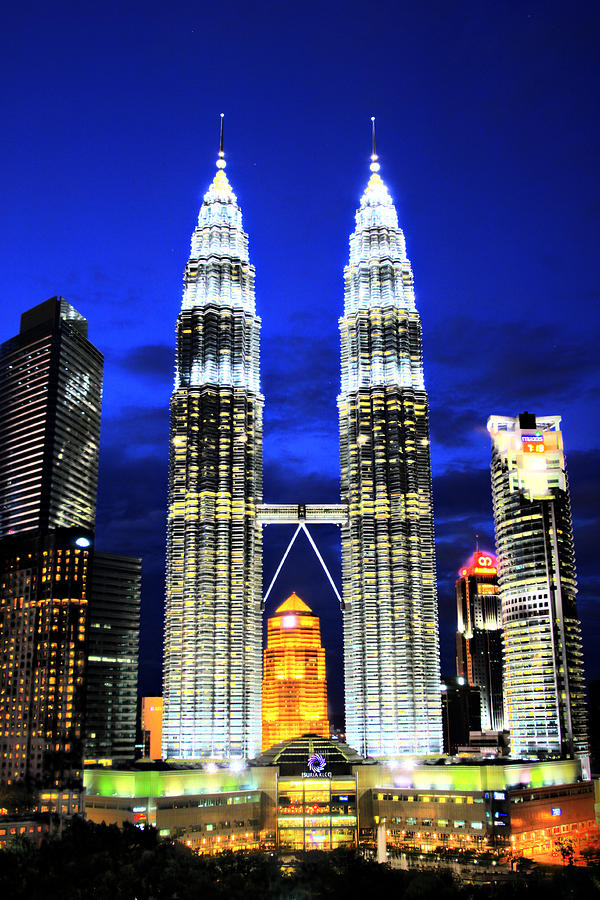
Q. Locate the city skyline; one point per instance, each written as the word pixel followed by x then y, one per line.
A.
pixel 500 209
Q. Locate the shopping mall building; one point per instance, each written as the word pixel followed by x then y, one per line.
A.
pixel 317 793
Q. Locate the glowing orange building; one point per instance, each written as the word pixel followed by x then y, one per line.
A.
pixel 294 683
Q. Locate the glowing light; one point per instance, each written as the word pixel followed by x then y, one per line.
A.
pixel 210 768
pixel 316 763
pixel 82 542
pixel 237 765
pixel 294 684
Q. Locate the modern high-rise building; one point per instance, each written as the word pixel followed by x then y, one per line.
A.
pixel 294 681
pixel 112 671
pixel 461 712
pixel 212 661
pixel 44 594
pixel 479 635
pixel 50 401
pixel 543 662
pixel 392 676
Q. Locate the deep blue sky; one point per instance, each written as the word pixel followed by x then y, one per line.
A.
pixel 487 117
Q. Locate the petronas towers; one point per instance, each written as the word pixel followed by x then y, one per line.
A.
pixel 213 620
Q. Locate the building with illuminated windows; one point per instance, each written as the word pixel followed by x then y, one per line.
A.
pixel 50 403
pixel 479 635
pixel 44 595
pixel 543 662
pixel 294 682
pixel 391 644
pixel 315 793
pixel 213 646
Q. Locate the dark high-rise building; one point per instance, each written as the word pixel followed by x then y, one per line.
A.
pixel 479 635
pixel 44 594
pixel 391 645
pixel 543 660
pixel 112 673
pixel 212 660
pixel 50 400
pixel 461 712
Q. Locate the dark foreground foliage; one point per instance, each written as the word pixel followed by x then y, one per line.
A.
pixel 99 862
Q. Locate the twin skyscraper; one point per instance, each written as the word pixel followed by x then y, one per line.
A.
pixel 213 620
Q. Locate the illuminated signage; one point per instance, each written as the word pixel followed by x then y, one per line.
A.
pixel 533 443
pixel 481 564
pixel 316 764
pixel 556 810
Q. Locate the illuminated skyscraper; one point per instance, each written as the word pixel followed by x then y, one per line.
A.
pixel 294 683
pixel 50 402
pixel 44 594
pixel 479 635
pixel 392 678
pixel 543 662
pixel 212 662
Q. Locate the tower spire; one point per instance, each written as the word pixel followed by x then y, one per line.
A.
pixel 221 160
pixel 374 164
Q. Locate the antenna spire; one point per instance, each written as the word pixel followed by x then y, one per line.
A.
pixel 374 164
pixel 221 160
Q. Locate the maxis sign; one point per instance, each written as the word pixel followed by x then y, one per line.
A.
pixel 316 765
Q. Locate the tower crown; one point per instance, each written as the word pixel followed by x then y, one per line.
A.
pixel 293 604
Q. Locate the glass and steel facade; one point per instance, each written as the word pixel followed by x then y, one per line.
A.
pixel 112 672
pixel 391 644
pixel 212 659
pixel 543 660
pixel 50 403
pixel 479 635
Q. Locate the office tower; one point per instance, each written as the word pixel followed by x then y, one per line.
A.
pixel 391 645
pixel 479 635
pixel 50 399
pixel 294 682
pixel 112 673
pixel 543 663
pixel 461 712
pixel 44 594
pixel 151 714
pixel 212 662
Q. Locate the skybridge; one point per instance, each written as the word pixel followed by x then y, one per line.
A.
pixel 302 515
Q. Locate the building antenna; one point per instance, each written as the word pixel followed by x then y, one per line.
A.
pixel 374 164
pixel 221 160
pixel 476 543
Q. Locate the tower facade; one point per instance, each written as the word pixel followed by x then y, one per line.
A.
pixel 391 643
pixel 294 682
pixel 479 635
pixel 543 661
pixel 212 662
pixel 112 672
pixel 50 404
